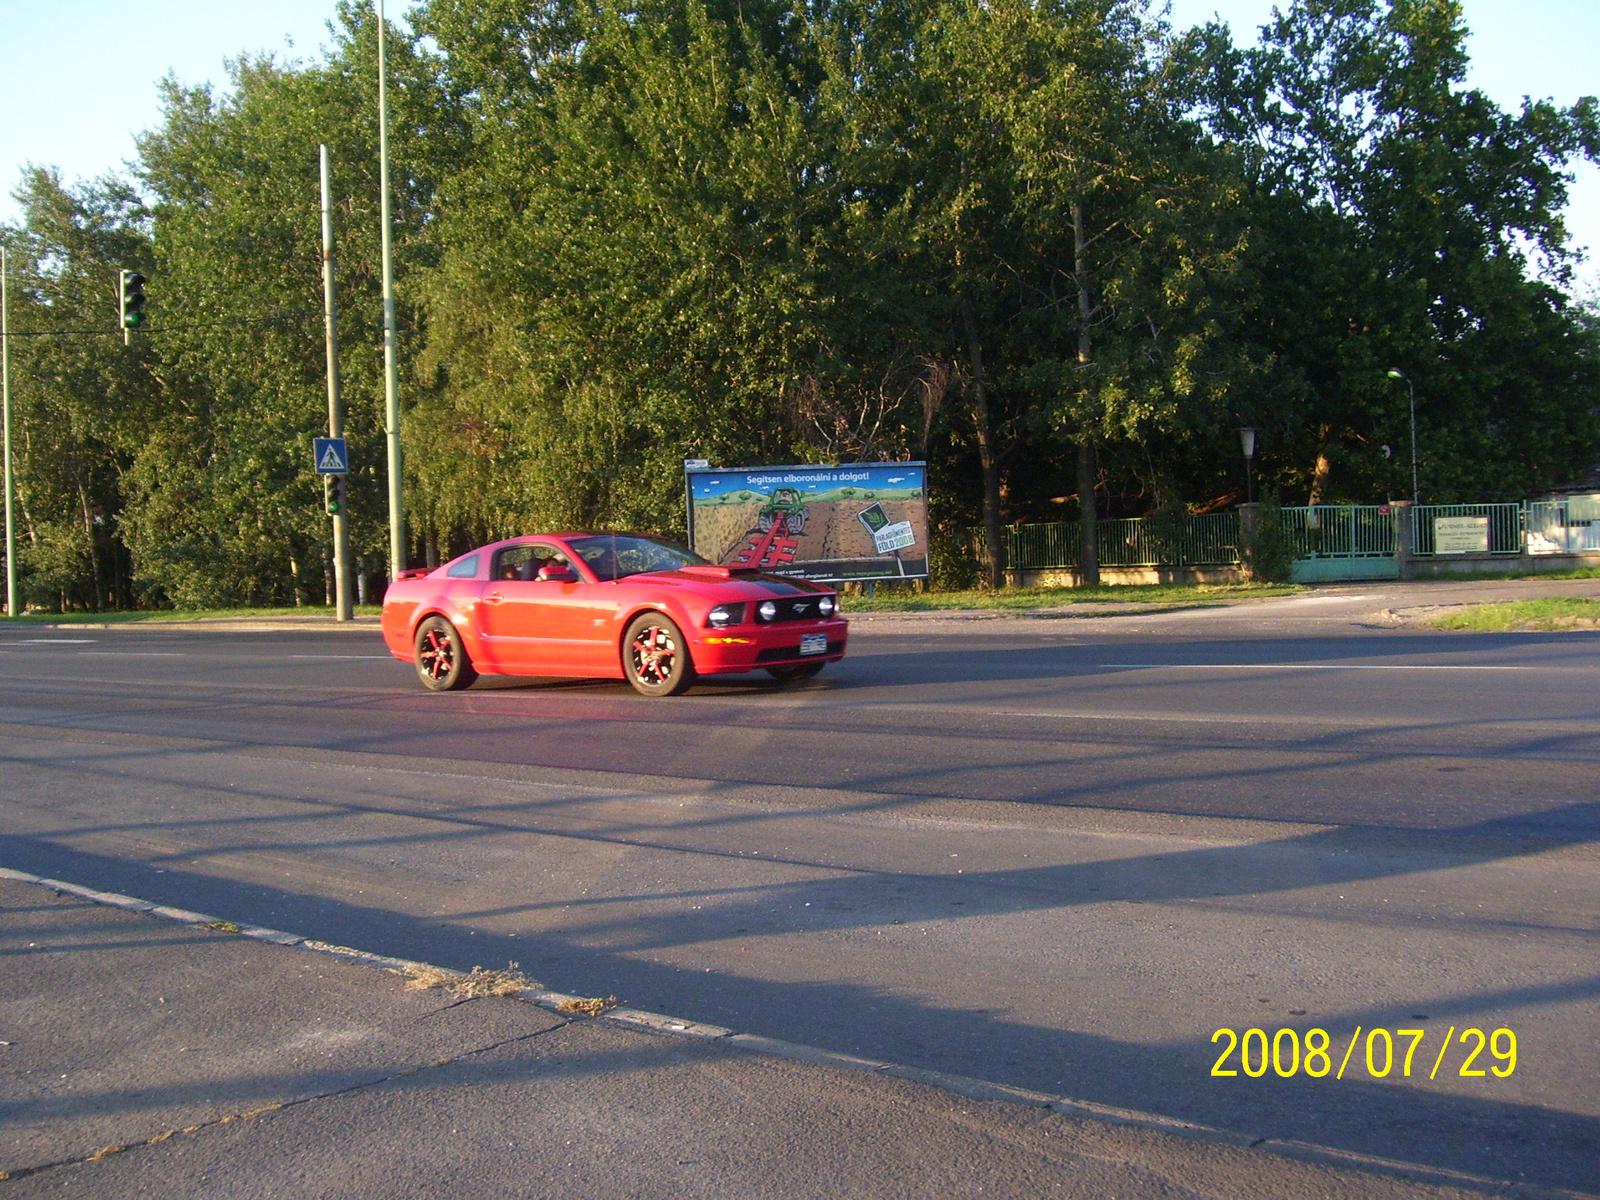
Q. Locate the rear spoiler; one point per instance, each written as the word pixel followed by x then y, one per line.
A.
pixel 414 573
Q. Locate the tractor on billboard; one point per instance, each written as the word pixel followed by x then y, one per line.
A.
pixel 786 503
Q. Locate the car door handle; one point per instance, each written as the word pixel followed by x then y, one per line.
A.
pixel 493 598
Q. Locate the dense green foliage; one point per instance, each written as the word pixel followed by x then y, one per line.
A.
pixel 1042 243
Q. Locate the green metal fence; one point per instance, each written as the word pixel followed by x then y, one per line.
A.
pixel 1570 525
pixel 1053 545
pixel 1211 539
pixel 1504 526
pixel 1331 541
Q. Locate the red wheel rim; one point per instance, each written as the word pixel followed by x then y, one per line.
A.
pixel 654 655
pixel 436 656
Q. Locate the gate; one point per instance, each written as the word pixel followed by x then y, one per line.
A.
pixel 1341 541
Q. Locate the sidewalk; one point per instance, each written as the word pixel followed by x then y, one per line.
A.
pixel 153 1057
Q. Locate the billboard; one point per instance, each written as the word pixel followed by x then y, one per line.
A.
pixel 858 521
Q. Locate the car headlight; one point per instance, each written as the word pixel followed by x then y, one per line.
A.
pixel 826 605
pixel 768 610
pixel 724 615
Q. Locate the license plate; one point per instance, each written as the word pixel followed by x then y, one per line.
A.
pixel 814 643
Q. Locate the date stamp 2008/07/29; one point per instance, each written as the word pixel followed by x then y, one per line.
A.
pixel 1286 1053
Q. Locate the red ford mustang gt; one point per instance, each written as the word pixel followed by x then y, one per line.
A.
pixel 609 606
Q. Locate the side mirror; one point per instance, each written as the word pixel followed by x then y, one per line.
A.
pixel 557 573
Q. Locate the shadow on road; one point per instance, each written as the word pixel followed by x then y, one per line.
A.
pixel 1477 1133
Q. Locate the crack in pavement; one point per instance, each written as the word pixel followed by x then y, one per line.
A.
pixel 189 1130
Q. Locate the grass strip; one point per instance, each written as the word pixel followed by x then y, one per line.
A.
pixel 1018 599
pixel 1485 576
pixel 1549 615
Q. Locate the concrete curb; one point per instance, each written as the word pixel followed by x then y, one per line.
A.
pixel 961 1085
pixel 225 625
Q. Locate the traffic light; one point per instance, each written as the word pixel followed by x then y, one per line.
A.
pixel 335 495
pixel 132 310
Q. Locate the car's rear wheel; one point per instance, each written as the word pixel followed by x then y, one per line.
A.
pixel 442 662
pixel 793 674
pixel 655 656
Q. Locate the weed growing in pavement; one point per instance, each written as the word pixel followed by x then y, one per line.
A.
pixel 222 926
pixel 477 982
pixel 589 1006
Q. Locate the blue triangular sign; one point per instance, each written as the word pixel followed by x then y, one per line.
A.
pixel 331 456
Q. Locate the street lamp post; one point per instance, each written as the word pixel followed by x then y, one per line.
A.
pixel 330 329
pixel 5 391
pixel 1247 443
pixel 1416 491
pixel 391 366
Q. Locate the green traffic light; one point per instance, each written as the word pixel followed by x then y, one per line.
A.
pixel 133 320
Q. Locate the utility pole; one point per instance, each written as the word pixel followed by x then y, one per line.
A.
pixel 5 404
pixel 391 367
pixel 341 527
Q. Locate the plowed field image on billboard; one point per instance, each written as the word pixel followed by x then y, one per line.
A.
pixel 858 521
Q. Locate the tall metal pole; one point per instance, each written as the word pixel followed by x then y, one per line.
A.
pixel 5 404
pixel 1416 488
pixel 344 611
pixel 391 366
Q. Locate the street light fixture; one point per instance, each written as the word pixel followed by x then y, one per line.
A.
pixel 1395 373
pixel 1247 443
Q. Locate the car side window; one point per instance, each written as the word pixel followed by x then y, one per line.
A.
pixel 509 563
pixel 523 562
pixel 467 568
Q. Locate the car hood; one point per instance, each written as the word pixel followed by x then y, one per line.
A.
pixel 738 584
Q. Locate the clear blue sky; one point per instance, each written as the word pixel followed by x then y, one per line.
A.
pixel 80 75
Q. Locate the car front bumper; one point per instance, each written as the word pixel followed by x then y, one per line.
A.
pixel 753 647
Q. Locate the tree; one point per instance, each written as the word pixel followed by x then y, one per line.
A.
pixel 224 506
pixel 1406 221
pixel 81 398
pixel 1073 225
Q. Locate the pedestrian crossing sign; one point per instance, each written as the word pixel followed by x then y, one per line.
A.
pixel 330 456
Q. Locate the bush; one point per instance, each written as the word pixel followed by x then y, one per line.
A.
pixel 1269 555
pixel 955 558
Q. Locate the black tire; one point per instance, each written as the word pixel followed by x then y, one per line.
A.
pixel 655 656
pixel 795 673
pixel 442 662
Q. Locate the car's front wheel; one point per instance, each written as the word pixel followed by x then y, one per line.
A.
pixel 655 657
pixel 442 662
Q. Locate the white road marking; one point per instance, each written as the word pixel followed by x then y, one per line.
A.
pixel 130 654
pixel 53 642
pixel 1281 666
pixel 374 657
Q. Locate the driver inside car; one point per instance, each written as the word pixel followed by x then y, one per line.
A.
pixel 542 558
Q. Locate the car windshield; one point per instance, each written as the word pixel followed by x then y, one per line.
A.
pixel 616 556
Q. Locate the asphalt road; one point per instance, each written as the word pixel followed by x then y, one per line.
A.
pixel 157 1057
pixel 1056 854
